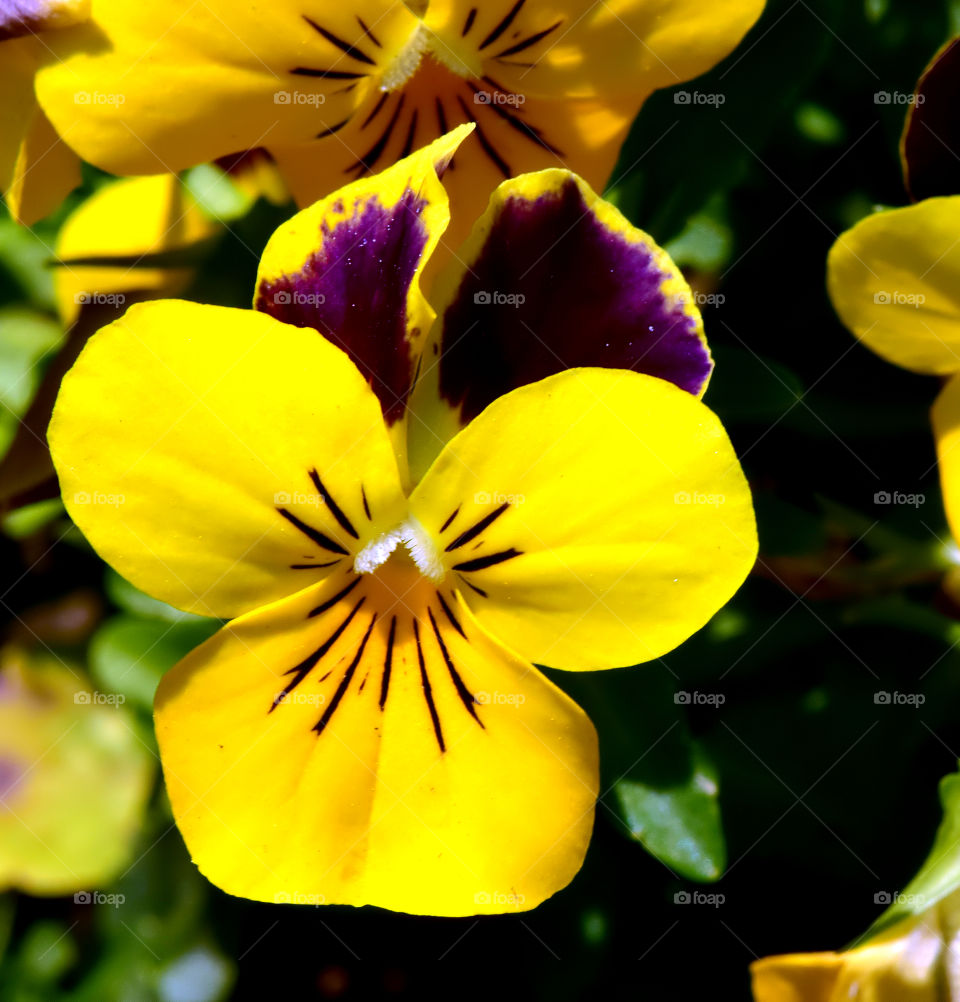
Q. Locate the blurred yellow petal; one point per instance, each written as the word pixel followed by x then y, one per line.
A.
pixel 894 279
pixel 594 519
pixel 17 104
pixel 127 219
pixel 217 458
pixel 46 171
pixel 74 779
pixel 350 267
pixel 552 277
pixel 400 756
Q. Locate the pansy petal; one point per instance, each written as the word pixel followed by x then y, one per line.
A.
pixel 17 103
pixel 349 267
pixel 219 459
pixel 801 977
pixel 946 427
pixel 46 171
pixel 894 280
pixel 578 48
pixel 593 519
pixel 930 144
pixel 515 133
pixel 27 17
pixel 397 759
pixel 125 220
pixel 551 278
pixel 153 87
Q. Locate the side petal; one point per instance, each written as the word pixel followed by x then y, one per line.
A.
pixel 800 977
pixel 398 761
pixel 349 267
pixel 219 459
pixel 126 219
pixel 151 87
pixel 594 519
pixel 552 278
pixel 893 279
pixel 46 171
pixel 576 48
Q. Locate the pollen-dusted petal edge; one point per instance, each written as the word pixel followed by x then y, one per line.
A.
pixel 401 757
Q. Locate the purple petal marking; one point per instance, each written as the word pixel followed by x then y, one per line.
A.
pixel 26 17
pixel 11 772
pixel 354 292
pixel 553 289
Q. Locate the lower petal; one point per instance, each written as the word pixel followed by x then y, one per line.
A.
pixel 401 757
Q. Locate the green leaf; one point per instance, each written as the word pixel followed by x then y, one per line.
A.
pixel 130 599
pixel 130 655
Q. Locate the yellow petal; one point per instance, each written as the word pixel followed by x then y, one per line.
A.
pixel 894 279
pixel 946 428
pixel 577 48
pixel 551 278
pixel 593 519
pixel 219 459
pixel 153 87
pixel 127 219
pixel 46 171
pixel 350 267
pixel 400 757
pixel 21 57
pixel 802 977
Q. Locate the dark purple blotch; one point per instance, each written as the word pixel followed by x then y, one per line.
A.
pixel 353 290
pixel 553 289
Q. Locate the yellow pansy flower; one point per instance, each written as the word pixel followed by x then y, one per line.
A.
pixel 335 92
pixel 36 167
pixel 369 728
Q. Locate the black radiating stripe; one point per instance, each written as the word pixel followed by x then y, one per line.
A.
pixel 408 143
pixel 448 612
pixel 335 509
pixel 307 664
pixel 466 696
pixel 476 529
pixel 331 602
pixel 388 664
pixel 366 505
pixel 310 567
pixel 452 516
pixel 376 110
pixel 427 690
pixel 352 51
pixel 503 25
pixel 527 42
pixel 481 562
pixel 307 71
pixel 527 131
pixel 485 143
pixel 479 591
pixel 332 129
pixel 468 24
pixel 373 38
pixel 314 534
pixel 365 163
pixel 442 118
pixel 345 681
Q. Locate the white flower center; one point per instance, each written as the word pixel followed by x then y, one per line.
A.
pixel 414 537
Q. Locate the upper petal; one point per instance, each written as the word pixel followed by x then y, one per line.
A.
pixel 552 277
pixel 163 86
pixel 398 759
pixel 593 519
pixel 220 459
pixel 894 279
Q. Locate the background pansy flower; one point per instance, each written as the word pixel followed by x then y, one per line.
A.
pixel 370 726
pixel 74 779
pixel 36 167
pixel 340 91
